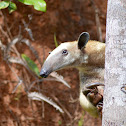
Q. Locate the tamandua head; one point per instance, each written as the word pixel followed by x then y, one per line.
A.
pixel 65 55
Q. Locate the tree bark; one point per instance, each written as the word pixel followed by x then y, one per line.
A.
pixel 114 107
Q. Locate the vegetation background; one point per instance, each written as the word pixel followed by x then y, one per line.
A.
pixel 66 19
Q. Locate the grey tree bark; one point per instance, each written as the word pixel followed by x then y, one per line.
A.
pixel 114 107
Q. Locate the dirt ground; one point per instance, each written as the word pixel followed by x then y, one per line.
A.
pixel 67 19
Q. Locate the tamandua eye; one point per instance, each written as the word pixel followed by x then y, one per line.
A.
pixel 65 52
pixel 49 52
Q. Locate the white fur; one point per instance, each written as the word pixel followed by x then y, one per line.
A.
pixel 85 59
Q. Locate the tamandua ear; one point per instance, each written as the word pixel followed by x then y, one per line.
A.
pixel 83 39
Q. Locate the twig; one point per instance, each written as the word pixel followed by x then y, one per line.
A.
pixel 31 105
pixel 7 27
pixel 14 41
pixel 19 32
pixel 99 31
pixel 15 118
pixel 27 42
pixel 43 55
pixel 40 80
pixel 8 34
pixel 11 45
pixel 73 100
pixel 76 116
pixel 26 79
pixel 19 83
pixel 5 34
pixel 64 109
pixel 12 25
pixel 43 109
pixel 19 80
pixel 28 29
pixel 13 72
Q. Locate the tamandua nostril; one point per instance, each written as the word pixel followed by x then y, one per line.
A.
pixel 43 73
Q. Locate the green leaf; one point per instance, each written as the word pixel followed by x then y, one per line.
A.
pixel 4 4
pixel 12 7
pixel 28 2
pixel 56 43
pixel 81 121
pixel 31 64
pixel 39 5
pixel 59 122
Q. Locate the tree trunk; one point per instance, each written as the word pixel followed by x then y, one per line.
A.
pixel 114 107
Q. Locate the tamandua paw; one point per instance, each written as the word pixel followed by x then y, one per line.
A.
pixel 94 95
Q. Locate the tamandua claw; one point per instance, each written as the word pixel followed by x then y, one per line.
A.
pixel 93 85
